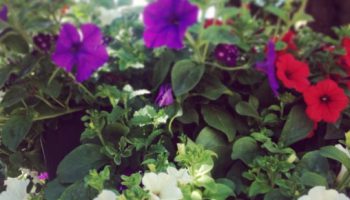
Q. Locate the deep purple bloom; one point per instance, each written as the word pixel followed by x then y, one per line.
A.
pixel 84 51
pixel 268 67
pixel 3 13
pixel 43 176
pixel 165 96
pixel 226 54
pixel 166 22
pixel 43 41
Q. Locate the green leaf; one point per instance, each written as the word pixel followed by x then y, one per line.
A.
pixel 4 74
pixel 211 140
pixel 185 75
pixel 13 96
pixel 245 149
pixel 162 68
pixel 96 180
pixel 212 88
pixel 297 126
pixel 314 162
pixel 78 163
pixel 259 187
pixel 53 89
pixel 76 191
pixel 336 154
pixel 245 109
pixel 278 12
pixel 312 179
pixel 16 43
pixel 53 190
pixel 220 119
pixel 275 194
pixel 148 115
pixel 15 130
pixel 223 34
pixel 280 45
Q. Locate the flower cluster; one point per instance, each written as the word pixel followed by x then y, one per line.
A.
pixel 325 100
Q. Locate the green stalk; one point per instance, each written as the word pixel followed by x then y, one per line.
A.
pixel 242 67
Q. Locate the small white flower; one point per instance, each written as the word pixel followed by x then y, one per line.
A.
pixel 321 193
pixel 181 175
pixel 106 195
pixel 343 169
pixel 161 186
pixel 16 189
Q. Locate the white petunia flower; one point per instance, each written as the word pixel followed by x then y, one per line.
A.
pixel 16 189
pixel 343 169
pixel 181 175
pixel 106 195
pixel 321 193
pixel 161 186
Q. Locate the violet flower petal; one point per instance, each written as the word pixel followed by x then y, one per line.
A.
pixel 165 96
pixel 166 22
pixel 86 53
pixel 268 67
pixel 3 13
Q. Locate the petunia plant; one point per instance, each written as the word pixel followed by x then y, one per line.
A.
pixel 172 99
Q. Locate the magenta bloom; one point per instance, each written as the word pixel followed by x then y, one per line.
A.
pixel 165 96
pixel 268 67
pixel 166 22
pixel 3 13
pixel 85 52
pixel 43 176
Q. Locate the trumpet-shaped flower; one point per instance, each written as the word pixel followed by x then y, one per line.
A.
pixel 106 195
pixel 161 186
pixel 180 175
pixel 16 189
pixel 166 22
pixel 268 67
pixel 321 193
pixel 165 96
pixel 81 52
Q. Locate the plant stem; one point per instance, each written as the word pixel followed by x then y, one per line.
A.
pixel 246 66
pixel 344 182
pixel 53 76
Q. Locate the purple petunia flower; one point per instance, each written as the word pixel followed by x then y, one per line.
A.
pixel 84 51
pixel 165 96
pixel 268 67
pixel 166 22
pixel 3 13
pixel 43 176
pixel 226 54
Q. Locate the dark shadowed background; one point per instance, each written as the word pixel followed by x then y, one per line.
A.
pixel 327 14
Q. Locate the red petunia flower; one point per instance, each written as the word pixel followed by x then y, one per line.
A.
pixel 325 101
pixel 212 22
pixel 345 59
pixel 292 73
pixel 217 22
pixel 288 38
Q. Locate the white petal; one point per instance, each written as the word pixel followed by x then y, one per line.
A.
pixel 305 197
pixel 171 193
pixel 106 195
pixel 151 182
pixel 16 189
